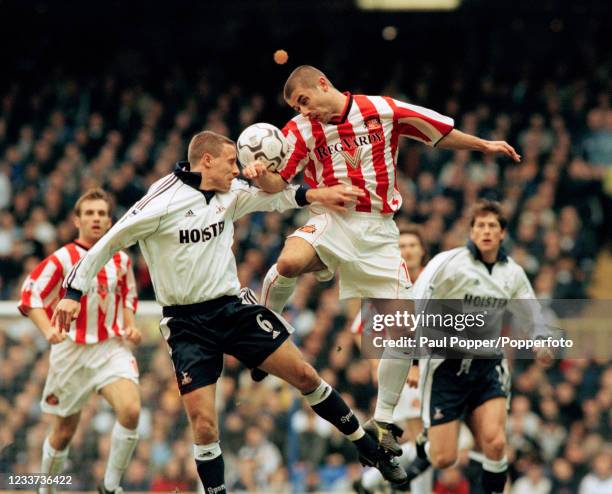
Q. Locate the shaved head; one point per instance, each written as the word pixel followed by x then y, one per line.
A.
pixel 305 76
pixel 206 142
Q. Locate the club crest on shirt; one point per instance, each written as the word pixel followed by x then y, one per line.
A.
pixel 186 379
pixel 134 365
pixel 373 123
pixel 308 229
pixel 129 214
pixel 52 400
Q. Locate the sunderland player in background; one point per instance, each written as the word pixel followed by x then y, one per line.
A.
pixel 341 138
pixel 475 388
pixel 92 355
pixel 408 410
pixel 189 215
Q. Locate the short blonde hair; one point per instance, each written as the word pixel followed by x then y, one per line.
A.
pixel 303 76
pixel 92 195
pixel 206 142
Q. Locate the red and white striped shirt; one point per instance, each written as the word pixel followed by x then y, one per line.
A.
pixel 361 148
pixel 101 314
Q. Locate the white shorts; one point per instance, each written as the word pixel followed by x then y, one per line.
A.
pixel 409 405
pixel 76 371
pixel 364 249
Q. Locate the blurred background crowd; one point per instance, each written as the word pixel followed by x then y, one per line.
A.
pixel 124 124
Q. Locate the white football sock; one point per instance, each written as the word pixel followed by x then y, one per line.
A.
pixel 392 375
pixel 52 462
pixel 276 290
pixel 123 443
pixel 408 454
pixel 372 479
pixel 423 484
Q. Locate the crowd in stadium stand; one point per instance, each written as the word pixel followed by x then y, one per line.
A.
pixel 69 135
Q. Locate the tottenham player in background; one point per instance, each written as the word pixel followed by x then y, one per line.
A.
pixel 90 355
pixel 185 229
pixel 341 138
pixel 477 389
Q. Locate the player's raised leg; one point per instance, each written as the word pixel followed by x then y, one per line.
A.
pixel 56 446
pixel 124 398
pixel 287 363
pixel 200 407
pixel 297 257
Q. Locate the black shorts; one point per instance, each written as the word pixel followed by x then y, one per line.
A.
pixel 198 335
pixel 452 388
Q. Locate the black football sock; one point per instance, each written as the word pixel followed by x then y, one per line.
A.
pixel 329 405
pixel 494 474
pixel 211 468
pixel 417 467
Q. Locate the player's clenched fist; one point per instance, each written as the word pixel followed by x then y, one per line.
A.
pixel 255 170
pixel 54 335
pixel 132 334
pixel 66 311
pixel 335 197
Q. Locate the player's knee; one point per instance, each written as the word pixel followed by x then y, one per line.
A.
pixel 62 435
pixel 289 266
pixel 307 378
pixel 128 415
pixel 443 459
pixel 205 429
pixel 494 445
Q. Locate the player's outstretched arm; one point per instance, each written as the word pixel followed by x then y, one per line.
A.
pixel 458 140
pixel 267 180
pixel 250 199
pixel 136 224
pixel 335 197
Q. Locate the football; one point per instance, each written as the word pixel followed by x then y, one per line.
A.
pixel 264 142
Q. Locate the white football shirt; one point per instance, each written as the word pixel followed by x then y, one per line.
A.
pixel 186 237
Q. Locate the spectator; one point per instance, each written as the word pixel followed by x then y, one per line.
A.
pixel 564 480
pixel 533 483
pixel 264 454
pixel 171 478
pixel 599 480
pixel 451 481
